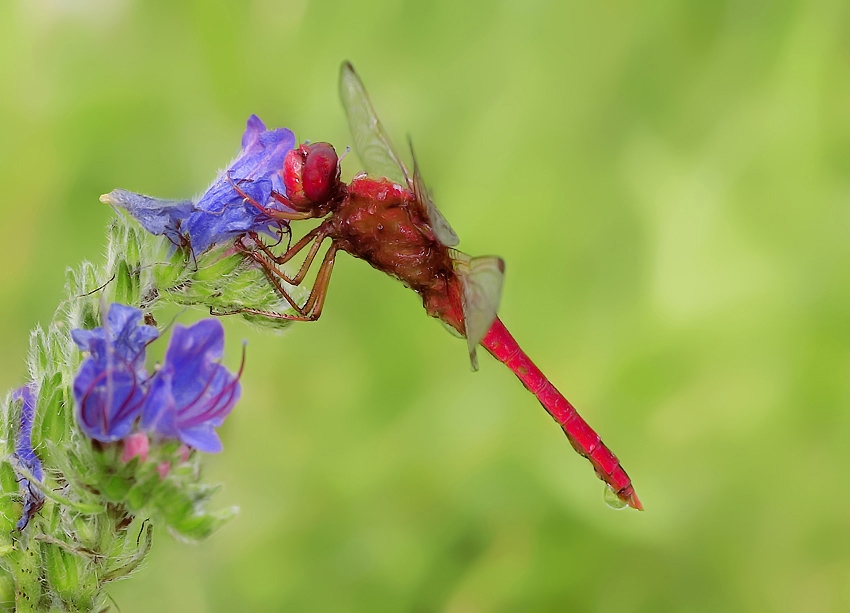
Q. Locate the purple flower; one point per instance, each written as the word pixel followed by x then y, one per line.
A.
pixel 122 337
pixel 109 387
pixel 192 393
pixel 186 399
pixel 221 214
pixel 25 454
pixel 159 217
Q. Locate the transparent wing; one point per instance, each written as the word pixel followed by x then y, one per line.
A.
pixel 442 230
pixel 450 329
pixel 371 142
pixel 482 280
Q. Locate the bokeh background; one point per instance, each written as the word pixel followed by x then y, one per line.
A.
pixel 669 183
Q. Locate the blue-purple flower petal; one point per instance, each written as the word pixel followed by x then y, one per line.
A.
pixel 25 455
pixel 222 213
pixel 192 393
pixel 23 446
pixel 108 400
pixel 203 438
pixel 159 217
pixel 235 217
pixel 109 387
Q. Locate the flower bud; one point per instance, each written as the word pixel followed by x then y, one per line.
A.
pixel 137 444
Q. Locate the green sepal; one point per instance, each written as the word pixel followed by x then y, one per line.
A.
pixel 132 247
pixel 114 487
pixel 126 284
pixel 8 478
pixel 10 421
pixel 82 286
pixel 228 283
pixel 52 417
pixel 125 564
pixel 182 509
pixel 7 591
pixel 61 569
pixel 10 510
pixel 40 357
pixel 145 485
pixel 86 529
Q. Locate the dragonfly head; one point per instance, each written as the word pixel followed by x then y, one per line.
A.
pixel 311 176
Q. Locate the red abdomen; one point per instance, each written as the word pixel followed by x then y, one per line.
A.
pixel 502 346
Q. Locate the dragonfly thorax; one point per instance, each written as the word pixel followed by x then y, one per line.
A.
pixel 311 176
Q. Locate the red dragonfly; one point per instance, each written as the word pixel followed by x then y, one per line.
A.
pixel 387 218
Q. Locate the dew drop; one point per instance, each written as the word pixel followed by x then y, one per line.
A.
pixel 612 500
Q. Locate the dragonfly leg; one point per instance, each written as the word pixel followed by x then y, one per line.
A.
pixel 274 214
pixel 316 301
pixel 312 309
pixel 317 235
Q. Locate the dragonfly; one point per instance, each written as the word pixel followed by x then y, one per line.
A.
pixel 387 217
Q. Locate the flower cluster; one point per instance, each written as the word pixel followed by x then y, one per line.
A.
pixel 81 505
pixel 222 213
pixel 185 399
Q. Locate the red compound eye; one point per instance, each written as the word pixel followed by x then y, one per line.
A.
pixel 293 165
pixel 320 172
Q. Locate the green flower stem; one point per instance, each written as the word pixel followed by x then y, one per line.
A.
pixel 92 527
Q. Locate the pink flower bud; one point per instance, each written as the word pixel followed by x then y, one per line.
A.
pixel 137 444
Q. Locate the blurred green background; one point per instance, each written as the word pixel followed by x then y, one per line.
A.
pixel 669 183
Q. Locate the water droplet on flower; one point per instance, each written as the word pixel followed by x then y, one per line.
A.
pixel 612 500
